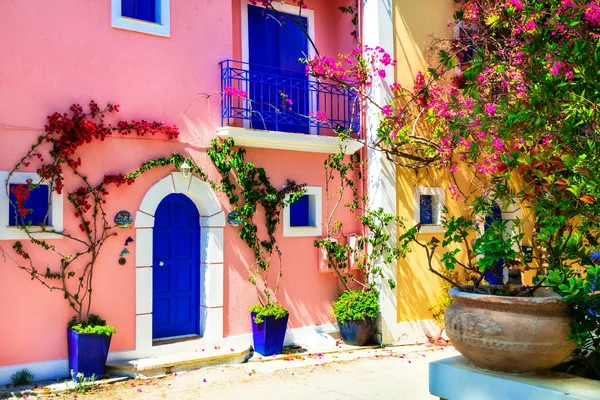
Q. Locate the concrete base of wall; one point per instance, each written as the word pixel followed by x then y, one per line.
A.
pixel 317 337
pixel 455 378
pixel 409 332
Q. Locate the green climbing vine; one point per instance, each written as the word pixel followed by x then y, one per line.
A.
pixel 248 188
pixel 373 246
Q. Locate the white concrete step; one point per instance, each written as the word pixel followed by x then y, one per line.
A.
pixel 159 366
pixel 456 378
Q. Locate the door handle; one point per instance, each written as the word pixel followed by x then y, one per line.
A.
pixel 160 263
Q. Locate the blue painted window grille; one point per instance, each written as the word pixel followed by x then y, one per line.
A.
pixel 300 212
pixel 144 10
pixel 37 202
pixel 337 107
pixel 426 209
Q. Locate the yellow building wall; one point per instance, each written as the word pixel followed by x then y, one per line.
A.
pixel 416 25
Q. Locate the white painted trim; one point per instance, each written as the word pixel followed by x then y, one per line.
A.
pixel 56 209
pixel 45 370
pixel 378 30
pixel 287 141
pixel 439 201
pixel 163 28
pixel 211 247
pixel 289 9
pixel 315 194
pixel 317 337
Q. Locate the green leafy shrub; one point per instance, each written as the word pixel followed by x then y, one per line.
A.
pixel 438 310
pixel 82 384
pixel 22 377
pixel 94 324
pixel 356 305
pixel 274 310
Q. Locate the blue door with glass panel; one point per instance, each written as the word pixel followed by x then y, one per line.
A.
pixel 278 86
pixel 176 268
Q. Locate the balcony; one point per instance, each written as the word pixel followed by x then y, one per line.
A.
pixel 278 109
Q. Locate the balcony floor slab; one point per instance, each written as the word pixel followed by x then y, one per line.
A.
pixel 286 141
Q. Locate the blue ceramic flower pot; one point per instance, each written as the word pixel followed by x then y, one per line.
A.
pixel 269 335
pixel 357 333
pixel 87 353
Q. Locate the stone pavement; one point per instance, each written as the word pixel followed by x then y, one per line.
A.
pixel 399 372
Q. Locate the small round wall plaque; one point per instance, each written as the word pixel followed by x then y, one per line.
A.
pixel 234 219
pixel 122 261
pixel 123 219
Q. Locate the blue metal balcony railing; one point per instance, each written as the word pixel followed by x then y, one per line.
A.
pixel 286 101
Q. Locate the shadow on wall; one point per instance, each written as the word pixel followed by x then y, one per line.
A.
pixel 417 288
pixel 416 24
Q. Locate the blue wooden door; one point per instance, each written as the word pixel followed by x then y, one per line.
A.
pixel 278 83
pixel 176 268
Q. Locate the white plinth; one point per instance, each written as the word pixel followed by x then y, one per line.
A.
pixel 456 379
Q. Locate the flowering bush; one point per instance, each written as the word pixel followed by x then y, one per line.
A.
pixel 521 126
pixel 64 136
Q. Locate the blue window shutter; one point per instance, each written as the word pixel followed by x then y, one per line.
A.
pixel 144 10
pixel 37 201
pixel 300 212
pixel 426 209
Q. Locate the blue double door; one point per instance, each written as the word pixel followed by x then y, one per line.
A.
pixel 278 84
pixel 176 268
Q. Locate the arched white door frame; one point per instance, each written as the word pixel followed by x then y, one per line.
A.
pixel 212 222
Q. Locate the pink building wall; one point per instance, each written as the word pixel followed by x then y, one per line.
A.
pixel 66 51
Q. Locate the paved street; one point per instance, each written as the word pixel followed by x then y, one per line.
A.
pixel 393 373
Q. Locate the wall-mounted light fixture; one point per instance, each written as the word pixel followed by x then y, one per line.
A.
pixel 185 169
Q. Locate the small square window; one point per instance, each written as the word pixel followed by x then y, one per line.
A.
pixel 426 209
pixel 303 217
pixel 36 204
pixel 146 16
pixel 300 212
pixel 46 208
pixel 429 203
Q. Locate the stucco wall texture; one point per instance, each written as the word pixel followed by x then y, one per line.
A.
pixel 65 51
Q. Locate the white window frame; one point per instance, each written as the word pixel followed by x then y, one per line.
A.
pixel 13 232
pixel 315 204
pixel 131 24
pixel 439 200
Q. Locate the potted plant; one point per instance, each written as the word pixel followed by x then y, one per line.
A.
pixel 269 324
pixel 357 263
pixel 88 336
pixel 247 188
pixel 88 343
pixel 356 312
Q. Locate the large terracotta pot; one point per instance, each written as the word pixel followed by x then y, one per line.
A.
pixel 510 334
